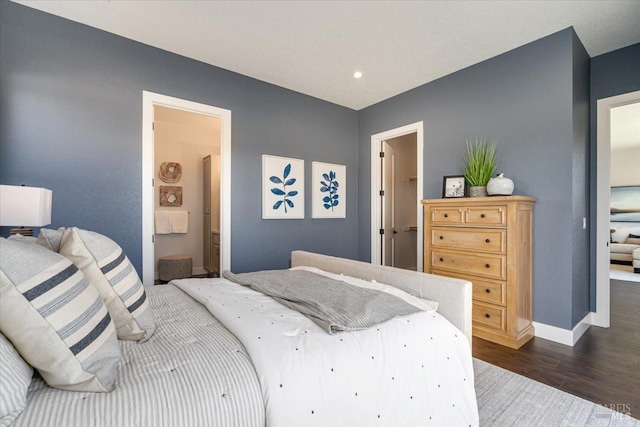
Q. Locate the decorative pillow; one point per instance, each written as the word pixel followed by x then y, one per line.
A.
pixel 15 377
pixel 110 271
pixel 50 239
pixel 56 319
pixel 620 235
pixel 633 239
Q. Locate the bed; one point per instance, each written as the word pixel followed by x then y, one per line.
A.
pixel 216 362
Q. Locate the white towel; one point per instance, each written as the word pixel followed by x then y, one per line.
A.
pixel 179 221
pixel 163 222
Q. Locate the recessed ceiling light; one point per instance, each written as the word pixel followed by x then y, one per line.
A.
pixel 357 74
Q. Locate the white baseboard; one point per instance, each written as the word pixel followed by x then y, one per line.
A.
pixel 563 336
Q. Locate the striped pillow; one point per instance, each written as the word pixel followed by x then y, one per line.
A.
pixel 56 319
pixel 15 377
pixel 110 271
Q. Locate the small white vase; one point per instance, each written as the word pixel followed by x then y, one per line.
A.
pixel 500 186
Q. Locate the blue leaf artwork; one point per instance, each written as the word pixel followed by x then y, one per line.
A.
pixel 286 201
pixel 330 185
pixel 329 190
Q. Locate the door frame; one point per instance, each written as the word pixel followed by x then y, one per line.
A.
pixel 149 100
pixel 383 219
pixel 376 215
pixel 602 315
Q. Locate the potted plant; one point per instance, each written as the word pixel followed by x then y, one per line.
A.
pixel 479 165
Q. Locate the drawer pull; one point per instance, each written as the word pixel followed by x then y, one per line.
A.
pixel 487 315
pixel 488 265
pixel 441 237
pixel 482 215
pixel 441 259
pixel 488 290
pixel 446 215
pixel 488 240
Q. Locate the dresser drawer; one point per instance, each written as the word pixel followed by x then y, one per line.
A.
pixel 491 291
pixel 491 316
pixel 486 215
pixel 469 239
pixel 446 216
pixel 487 265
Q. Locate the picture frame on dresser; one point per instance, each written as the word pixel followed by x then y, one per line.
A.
pixel 454 186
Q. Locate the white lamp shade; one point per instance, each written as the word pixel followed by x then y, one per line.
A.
pixel 25 206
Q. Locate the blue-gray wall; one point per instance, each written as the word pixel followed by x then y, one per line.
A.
pixel 613 73
pixel 533 99
pixel 71 120
pixel 71 113
pixel 580 184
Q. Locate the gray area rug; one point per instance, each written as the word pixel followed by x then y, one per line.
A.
pixel 509 399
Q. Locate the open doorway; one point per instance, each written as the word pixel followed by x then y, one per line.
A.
pixel 396 190
pixel 605 107
pixel 157 104
pixel 187 156
pixel 399 216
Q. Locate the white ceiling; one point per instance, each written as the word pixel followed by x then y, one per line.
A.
pixel 314 47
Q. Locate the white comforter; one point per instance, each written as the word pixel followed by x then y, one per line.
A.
pixel 410 371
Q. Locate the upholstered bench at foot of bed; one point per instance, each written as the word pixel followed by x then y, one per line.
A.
pixel 453 295
pixel 636 261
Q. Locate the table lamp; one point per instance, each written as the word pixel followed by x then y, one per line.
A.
pixel 24 206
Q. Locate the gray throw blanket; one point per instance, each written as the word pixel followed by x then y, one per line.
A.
pixel 334 305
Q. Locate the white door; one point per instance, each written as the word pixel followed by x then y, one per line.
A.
pixel 387 205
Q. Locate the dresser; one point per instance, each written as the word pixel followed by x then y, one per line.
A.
pixel 488 241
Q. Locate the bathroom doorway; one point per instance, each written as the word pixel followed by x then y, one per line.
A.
pixel 151 182
pixel 187 143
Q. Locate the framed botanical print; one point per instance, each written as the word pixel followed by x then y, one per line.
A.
pixel 328 190
pixel 282 188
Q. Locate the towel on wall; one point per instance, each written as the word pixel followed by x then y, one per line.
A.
pixel 179 221
pixel 163 222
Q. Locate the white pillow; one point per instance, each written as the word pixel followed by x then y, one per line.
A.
pixel 619 235
pixel 50 239
pixel 15 377
pixel 56 319
pixel 110 271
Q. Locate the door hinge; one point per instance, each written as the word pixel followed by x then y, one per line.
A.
pixel 382 154
pixel 382 231
pixel 382 192
pixel 153 182
pixel 153 239
pixel 153 125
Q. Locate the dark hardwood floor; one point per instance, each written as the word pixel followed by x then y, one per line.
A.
pixel 604 365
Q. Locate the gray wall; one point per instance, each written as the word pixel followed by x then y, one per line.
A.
pixel 71 119
pixel 580 176
pixel 612 74
pixel 525 98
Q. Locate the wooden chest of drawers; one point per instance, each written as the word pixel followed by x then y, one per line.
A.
pixel 488 241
